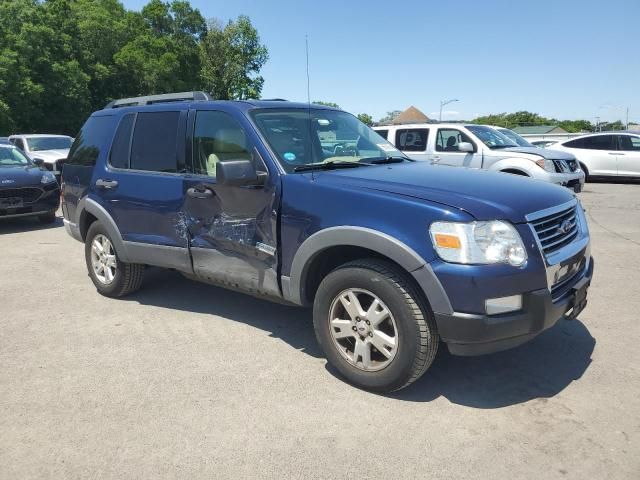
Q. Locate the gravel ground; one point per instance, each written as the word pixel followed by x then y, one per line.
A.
pixel 184 380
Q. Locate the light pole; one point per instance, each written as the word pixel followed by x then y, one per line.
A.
pixel 443 103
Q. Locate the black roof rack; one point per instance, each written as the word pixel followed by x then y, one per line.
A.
pixel 273 100
pixel 164 98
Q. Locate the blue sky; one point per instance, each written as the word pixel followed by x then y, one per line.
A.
pixel 565 59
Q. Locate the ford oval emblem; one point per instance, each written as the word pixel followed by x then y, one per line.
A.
pixel 565 226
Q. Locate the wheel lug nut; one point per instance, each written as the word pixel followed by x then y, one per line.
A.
pixel 371 334
pixel 354 329
pixel 357 319
pixel 368 322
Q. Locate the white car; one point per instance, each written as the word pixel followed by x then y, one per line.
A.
pixel 481 146
pixel 49 150
pixel 613 154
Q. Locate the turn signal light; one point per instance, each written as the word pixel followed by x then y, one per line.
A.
pixel 447 241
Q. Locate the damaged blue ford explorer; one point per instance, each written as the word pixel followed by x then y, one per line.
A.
pixel 305 204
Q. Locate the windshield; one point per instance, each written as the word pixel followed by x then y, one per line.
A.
pixel 11 156
pixel 511 135
pixel 38 144
pixel 490 137
pixel 299 137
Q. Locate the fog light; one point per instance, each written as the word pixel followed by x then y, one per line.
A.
pixel 494 306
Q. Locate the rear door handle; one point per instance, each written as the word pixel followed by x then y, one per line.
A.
pixel 106 184
pixel 201 192
pixel 615 153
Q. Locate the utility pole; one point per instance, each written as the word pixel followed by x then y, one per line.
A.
pixel 443 103
pixel 626 125
pixel 597 124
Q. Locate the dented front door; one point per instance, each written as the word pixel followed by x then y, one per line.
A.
pixel 232 230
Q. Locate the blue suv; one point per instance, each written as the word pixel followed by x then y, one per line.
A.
pixel 306 205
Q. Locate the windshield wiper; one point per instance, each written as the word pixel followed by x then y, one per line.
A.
pixel 387 159
pixel 328 166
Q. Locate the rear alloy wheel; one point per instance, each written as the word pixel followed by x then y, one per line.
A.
pixel 111 276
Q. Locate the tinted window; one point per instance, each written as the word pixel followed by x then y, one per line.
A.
pixel 122 142
pixel 629 143
pixel 383 133
pixel 89 142
pixel 412 139
pixel 599 142
pixel 449 138
pixel 154 144
pixel 217 137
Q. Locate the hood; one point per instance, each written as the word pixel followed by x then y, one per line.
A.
pixel 50 155
pixel 483 194
pixel 543 152
pixel 24 176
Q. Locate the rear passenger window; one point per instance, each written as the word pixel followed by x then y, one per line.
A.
pixel 599 142
pixel 412 139
pixel 122 142
pixel 383 133
pixel 628 143
pixel 88 143
pixel 217 137
pixel 154 144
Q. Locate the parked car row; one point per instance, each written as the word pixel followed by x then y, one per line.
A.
pixel 305 204
pixel 484 147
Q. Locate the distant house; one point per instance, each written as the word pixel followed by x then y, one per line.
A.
pixel 634 127
pixel 410 115
pixel 540 130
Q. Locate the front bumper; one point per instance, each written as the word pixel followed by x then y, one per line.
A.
pixel 49 200
pixel 471 334
pixel 573 180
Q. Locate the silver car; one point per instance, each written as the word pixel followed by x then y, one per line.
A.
pixel 50 151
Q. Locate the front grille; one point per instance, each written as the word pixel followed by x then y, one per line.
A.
pixel 556 230
pixel 565 166
pixel 28 195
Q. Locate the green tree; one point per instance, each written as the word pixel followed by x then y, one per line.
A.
pixel 365 118
pixel 389 117
pixel 326 104
pixel 232 57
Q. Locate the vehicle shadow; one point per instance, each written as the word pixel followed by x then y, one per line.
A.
pixel 539 369
pixel 26 224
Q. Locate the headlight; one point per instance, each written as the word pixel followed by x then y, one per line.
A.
pixel 47 177
pixel 478 242
pixel 546 164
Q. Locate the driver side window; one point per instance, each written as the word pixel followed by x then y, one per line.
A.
pixel 448 140
pixel 217 137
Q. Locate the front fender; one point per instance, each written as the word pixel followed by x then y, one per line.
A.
pixel 386 245
pixel 527 167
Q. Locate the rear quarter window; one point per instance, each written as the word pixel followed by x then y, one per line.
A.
pixel 90 141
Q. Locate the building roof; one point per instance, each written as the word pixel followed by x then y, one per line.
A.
pixel 539 129
pixel 410 115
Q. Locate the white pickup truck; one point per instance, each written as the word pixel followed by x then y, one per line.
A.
pixel 482 146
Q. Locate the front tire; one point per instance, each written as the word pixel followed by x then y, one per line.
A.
pixel 111 276
pixel 374 326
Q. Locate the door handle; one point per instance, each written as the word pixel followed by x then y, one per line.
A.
pixel 106 184
pixel 436 159
pixel 202 192
pixel 615 153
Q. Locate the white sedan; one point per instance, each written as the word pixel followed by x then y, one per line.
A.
pixel 613 154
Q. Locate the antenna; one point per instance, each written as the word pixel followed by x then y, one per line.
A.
pixel 306 41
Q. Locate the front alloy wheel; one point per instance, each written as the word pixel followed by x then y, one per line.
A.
pixel 363 329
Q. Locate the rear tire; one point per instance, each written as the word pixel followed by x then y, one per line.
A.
pixel 584 168
pixel 111 276
pixel 406 332
pixel 48 217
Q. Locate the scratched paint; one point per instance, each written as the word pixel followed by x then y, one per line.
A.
pixel 240 230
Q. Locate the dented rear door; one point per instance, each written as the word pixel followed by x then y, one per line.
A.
pixel 232 230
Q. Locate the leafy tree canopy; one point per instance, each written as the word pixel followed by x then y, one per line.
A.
pixel 365 118
pixel 62 59
pixel 326 104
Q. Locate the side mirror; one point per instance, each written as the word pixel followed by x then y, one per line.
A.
pixel 238 173
pixel 465 147
pixel 38 161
